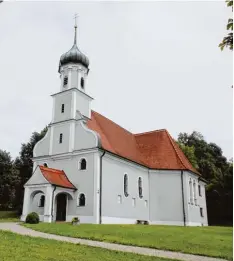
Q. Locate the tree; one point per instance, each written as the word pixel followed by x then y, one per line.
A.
pixel 24 165
pixel 228 40
pixel 8 180
pixel 218 172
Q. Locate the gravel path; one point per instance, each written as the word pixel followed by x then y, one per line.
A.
pixel 14 227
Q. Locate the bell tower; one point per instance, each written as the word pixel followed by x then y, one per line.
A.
pixel 71 103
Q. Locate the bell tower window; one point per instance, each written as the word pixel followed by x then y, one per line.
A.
pixel 82 83
pixel 65 81
pixel 62 108
pixel 60 138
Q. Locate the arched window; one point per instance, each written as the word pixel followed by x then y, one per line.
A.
pixel 190 191
pixel 65 81
pixel 45 165
pixel 82 83
pixel 125 185
pixel 42 201
pixel 82 200
pixel 194 193
pixel 83 164
pixel 140 187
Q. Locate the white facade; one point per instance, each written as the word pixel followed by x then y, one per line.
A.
pixel 167 196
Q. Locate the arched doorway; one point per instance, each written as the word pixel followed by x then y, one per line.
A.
pixel 61 207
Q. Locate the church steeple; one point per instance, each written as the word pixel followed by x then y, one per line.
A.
pixel 74 55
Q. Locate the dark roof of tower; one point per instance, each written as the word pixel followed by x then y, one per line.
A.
pixel 74 55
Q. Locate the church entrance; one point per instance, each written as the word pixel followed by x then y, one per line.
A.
pixel 61 207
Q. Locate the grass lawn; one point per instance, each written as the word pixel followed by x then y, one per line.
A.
pixel 25 248
pixel 8 216
pixel 208 241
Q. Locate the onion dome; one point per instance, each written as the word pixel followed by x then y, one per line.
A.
pixel 74 55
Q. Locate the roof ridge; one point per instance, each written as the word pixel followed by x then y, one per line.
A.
pixel 50 168
pixel 113 122
pixel 173 145
pixel 148 132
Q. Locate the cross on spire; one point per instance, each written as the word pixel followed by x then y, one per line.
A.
pixel 75 16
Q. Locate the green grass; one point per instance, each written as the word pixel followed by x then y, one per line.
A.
pixel 25 248
pixel 8 216
pixel 207 241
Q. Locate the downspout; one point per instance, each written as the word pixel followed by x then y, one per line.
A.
pixel 182 187
pixel 52 208
pixel 100 189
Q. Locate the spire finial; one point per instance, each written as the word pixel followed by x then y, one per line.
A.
pixel 75 16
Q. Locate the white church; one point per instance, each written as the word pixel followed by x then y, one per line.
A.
pixel 89 167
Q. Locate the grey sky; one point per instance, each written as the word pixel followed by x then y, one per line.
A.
pixel 152 65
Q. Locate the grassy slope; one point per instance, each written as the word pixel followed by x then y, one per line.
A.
pixel 8 216
pixel 24 248
pixel 209 241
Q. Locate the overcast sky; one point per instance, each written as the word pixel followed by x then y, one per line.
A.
pixel 152 65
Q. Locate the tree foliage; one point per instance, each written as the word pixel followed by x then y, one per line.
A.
pixel 208 159
pixel 228 40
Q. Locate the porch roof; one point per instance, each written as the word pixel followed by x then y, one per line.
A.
pixel 56 177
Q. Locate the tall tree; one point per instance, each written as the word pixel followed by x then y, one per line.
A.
pixel 8 180
pixel 228 40
pixel 215 168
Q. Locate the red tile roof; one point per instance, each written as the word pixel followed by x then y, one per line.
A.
pixel 56 177
pixel 155 149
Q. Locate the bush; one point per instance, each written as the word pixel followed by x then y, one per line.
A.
pixel 75 220
pixel 32 218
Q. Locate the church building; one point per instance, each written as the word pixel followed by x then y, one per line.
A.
pixel 89 167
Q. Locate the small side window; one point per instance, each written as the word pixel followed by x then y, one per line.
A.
pixel 81 200
pixel 45 165
pixel 201 212
pixel 83 164
pixel 65 81
pixel 42 201
pixel 82 83
pixel 199 190
pixel 62 108
pixel 60 138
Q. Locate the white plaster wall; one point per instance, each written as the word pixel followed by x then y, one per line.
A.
pixel 63 147
pixel 113 185
pixel 84 138
pixel 42 147
pixel 37 178
pixel 83 103
pixel 166 197
pixel 194 217
pixel 66 99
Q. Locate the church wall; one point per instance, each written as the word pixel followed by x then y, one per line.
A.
pixel 83 103
pixel 64 98
pixel 35 204
pixel 43 146
pixel 113 186
pixel 84 138
pixel 64 146
pixel 194 217
pixel 165 197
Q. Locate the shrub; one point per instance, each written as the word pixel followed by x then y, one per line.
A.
pixel 32 218
pixel 75 220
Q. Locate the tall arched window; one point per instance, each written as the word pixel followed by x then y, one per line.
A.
pixel 82 200
pixel 194 193
pixel 140 187
pixel 42 201
pixel 83 164
pixel 125 185
pixel 191 191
